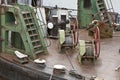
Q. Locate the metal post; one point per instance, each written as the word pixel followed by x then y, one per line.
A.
pixel 111 5
pixel 108 5
pixel 5 1
pixel 0 2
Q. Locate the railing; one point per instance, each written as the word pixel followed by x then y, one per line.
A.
pixel 109 5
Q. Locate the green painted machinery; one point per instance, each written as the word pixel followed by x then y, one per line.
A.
pixel 86 11
pixel 68 36
pixel 90 50
pixel 89 10
pixel 20 30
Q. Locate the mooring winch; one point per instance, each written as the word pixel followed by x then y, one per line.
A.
pixel 90 50
pixel 68 37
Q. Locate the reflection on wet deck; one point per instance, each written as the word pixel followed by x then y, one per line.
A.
pixel 104 66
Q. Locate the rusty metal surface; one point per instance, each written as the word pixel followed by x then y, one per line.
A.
pixel 104 66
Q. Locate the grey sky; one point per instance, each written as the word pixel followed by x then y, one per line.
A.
pixel 116 5
pixel 73 4
pixel 61 3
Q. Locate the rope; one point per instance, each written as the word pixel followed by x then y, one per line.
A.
pixel 68 57
pixel 51 76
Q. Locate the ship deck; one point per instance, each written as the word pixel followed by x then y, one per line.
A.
pixel 103 67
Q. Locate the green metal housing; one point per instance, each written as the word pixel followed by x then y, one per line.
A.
pixel 20 30
pixel 89 10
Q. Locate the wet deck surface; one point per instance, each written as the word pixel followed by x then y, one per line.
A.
pixel 108 61
pixel 104 66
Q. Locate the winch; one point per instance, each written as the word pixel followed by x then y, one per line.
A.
pixel 68 37
pixel 90 50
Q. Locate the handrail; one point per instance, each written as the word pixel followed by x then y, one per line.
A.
pixel 43 23
pixel 40 20
pixel 42 27
pixel 110 5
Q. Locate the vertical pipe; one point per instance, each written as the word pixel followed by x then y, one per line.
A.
pixel 108 6
pixel 9 38
pixel 111 5
pixel 0 2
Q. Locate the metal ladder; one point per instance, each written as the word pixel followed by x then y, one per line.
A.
pixel 103 13
pixel 33 32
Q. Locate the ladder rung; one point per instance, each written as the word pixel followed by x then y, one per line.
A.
pixel 37 52
pixel 102 9
pixel 100 4
pixel 29 23
pixel 35 41
pixel 33 35
pixel 28 18
pixel 37 46
pixel 25 12
pixel 31 29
